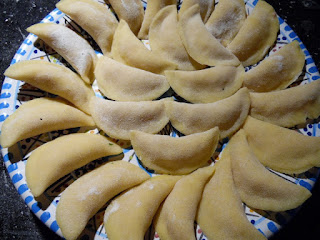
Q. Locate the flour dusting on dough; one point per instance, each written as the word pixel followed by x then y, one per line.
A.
pixel 92 191
pixel 114 206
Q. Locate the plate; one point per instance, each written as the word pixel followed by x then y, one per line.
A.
pixel 14 93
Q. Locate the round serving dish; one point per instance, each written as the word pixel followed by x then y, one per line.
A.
pixel 15 93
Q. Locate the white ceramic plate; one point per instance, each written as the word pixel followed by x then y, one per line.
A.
pixel 14 93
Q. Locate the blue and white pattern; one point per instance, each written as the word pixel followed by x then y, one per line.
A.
pixel 14 93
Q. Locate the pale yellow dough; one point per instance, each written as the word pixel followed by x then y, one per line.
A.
pixel 55 79
pixel 277 71
pixel 123 83
pixel 170 155
pixel 221 203
pixel 175 220
pixel 226 20
pixel 288 107
pixel 282 149
pixel 93 17
pixel 135 208
pixel 227 114
pixel 206 7
pixel 118 118
pixel 57 158
pixel 207 85
pixel 164 39
pixel 258 187
pixel 84 197
pixel 129 50
pixel 40 116
pixel 200 44
pixel 153 7
pixel 257 34
pixel 131 11
pixel 72 47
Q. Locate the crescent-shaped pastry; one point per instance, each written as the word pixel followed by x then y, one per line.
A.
pixel 73 48
pixel 206 85
pixel 164 39
pixel 131 11
pixel 55 79
pixel 200 44
pixel 170 155
pixel 220 203
pixel 118 118
pixel 153 7
pixel 57 158
pixel 258 187
pixel 135 208
pixel 206 7
pixel 277 71
pixel 40 116
pixel 251 46
pixel 226 20
pixel 93 17
pixel 125 41
pixel 124 83
pixel 288 107
pixel 292 153
pixel 227 114
pixel 175 220
pixel 84 197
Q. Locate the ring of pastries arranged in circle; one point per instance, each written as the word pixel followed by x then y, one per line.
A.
pixel 198 55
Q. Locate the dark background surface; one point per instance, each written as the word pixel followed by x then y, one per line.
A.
pixel 17 221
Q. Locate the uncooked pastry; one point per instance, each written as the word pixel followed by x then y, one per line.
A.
pixel 41 115
pixel 55 159
pixel 170 155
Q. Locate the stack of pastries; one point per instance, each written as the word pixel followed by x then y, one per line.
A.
pixel 202 69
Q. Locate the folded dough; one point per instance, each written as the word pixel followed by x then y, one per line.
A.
pixel 206 7
pixel 199 43
pixel 57 158
pixel 277 71
pixel 207 85
pixel 135 208
pixel 227 114
pixel 251 46
pixel 153 7
pixel 170 155
pixel 118 118
pixel 282 149
pixel 123 83
pixel 221 203
pixel 93 17
pixel 129 50
pixel 226 20
pixel 288 107
pixel 73 48
pixel 131 11
pixel 84 197
pixel 175 219
pixel 55 79
pixel 164 39
pixel 258 187
pixel 40 116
